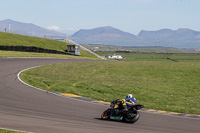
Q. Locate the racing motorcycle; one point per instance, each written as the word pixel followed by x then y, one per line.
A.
pixel 115 113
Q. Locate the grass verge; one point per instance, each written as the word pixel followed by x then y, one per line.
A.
pixel 162 85
pixel 10 131
pixel 6 54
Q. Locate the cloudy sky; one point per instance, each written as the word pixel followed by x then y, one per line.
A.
pixel 128 15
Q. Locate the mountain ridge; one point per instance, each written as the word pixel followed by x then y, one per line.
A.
pixel 180 38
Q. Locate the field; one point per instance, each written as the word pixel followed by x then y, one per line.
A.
pixel 161 84
pixel 134 56
pixel 151 49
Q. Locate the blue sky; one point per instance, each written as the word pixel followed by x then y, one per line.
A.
pixel 128 15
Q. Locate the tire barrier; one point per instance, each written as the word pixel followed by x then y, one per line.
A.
pixel 31 49
pixel 172 59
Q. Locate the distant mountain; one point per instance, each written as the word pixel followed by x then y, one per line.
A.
pixel 107 31
pixel 163 33
pixel 169 34
pixel 181 38
pixel 186 34
pixel 28 29
pixel 104 35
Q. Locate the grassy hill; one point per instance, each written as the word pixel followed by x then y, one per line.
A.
pixel 7 39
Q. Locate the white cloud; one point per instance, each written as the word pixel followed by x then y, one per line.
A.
pixel 69 31
pixel 63 30
pixel 53 27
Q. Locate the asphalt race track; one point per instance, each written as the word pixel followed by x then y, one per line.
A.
pixel 28 109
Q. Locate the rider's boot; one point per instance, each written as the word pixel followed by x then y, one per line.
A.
pixel 125 109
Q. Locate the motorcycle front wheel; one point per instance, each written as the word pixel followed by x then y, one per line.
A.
pixel 132 119
pixel 105 115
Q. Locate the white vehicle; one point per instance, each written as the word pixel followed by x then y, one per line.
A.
pixel 114 56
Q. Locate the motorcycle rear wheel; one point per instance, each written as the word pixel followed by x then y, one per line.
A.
pixel 105 115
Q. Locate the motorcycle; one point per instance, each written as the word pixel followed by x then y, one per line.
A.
pixel 115 113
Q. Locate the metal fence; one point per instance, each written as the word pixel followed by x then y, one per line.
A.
pixel 32 33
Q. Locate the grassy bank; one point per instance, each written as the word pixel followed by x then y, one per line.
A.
pixel 163 85
pixel 8 39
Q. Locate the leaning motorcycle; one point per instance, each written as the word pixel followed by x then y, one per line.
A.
pixel 114 113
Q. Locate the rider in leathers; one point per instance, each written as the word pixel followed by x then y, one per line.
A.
pixel 123 103
pixel 129 101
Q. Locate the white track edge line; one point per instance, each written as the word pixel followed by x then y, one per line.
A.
pixel 18 76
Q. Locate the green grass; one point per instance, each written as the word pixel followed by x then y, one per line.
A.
pixel 163 85
pixel 8 39
pixel 9 131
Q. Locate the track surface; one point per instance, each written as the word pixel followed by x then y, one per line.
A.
pixel 28 109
